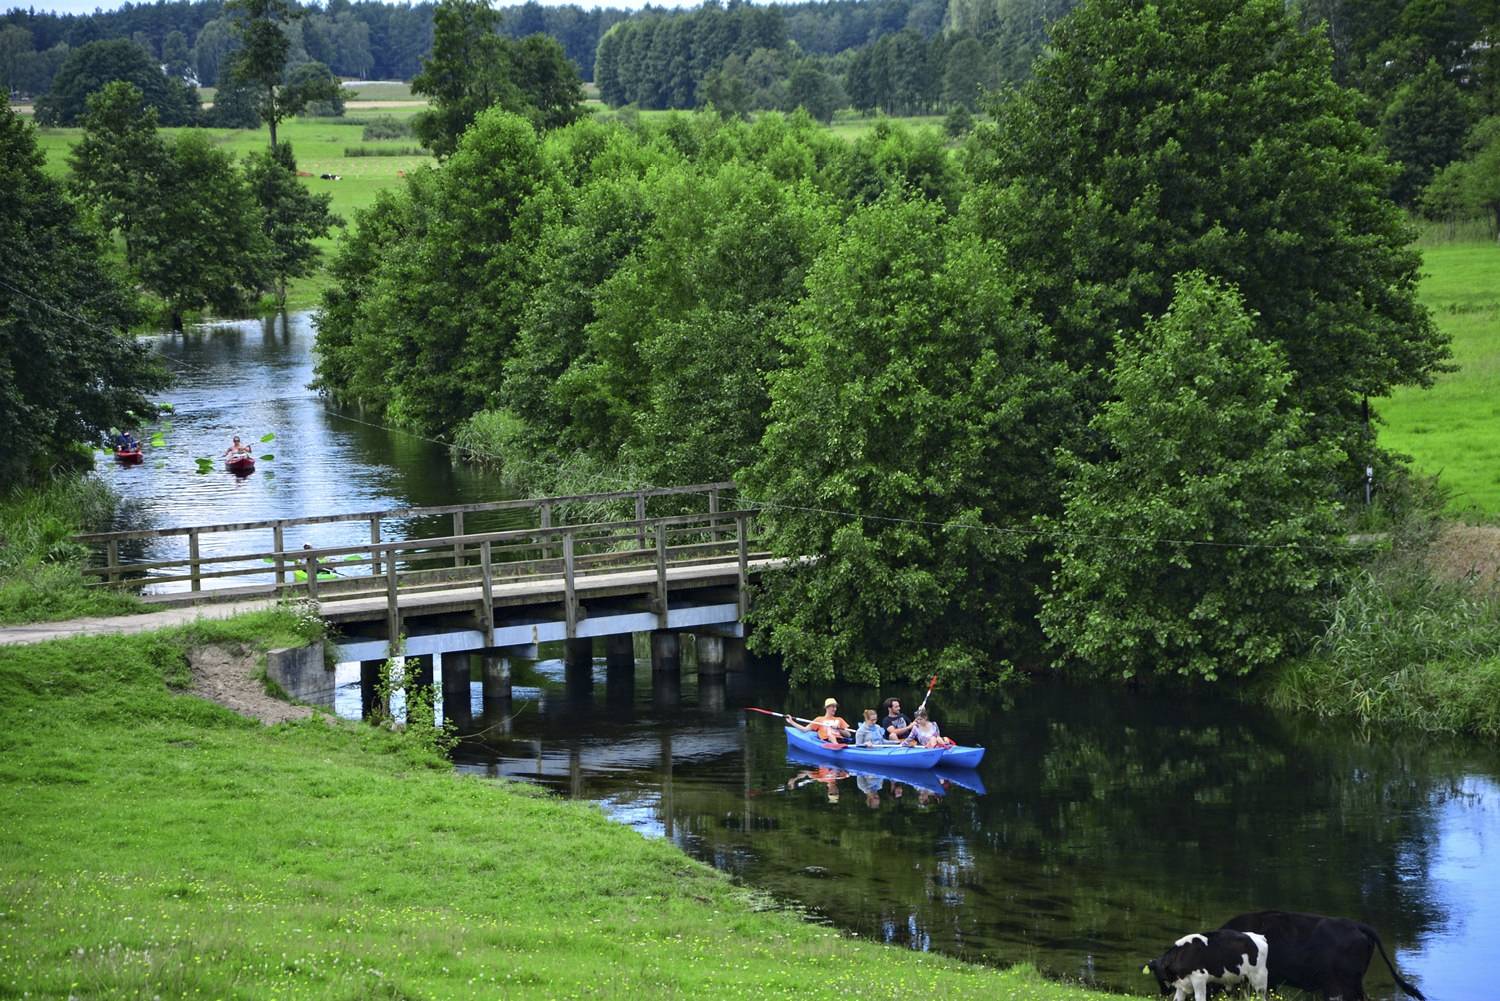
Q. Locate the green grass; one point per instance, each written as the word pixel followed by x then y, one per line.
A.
pixel 1453 429
pixel 157 845
pixel 319 145
pixel 855 127
pixel 39 578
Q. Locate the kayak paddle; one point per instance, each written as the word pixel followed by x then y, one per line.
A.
pixel 830 745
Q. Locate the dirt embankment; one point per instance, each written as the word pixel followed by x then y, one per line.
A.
pixel 228 676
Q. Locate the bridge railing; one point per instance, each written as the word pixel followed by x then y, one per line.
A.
pixel 196 569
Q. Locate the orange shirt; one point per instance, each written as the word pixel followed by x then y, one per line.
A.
pixel 829 727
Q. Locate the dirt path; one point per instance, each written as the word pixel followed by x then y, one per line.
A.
pixel 1467 552
pixel 41 632
pixel 227 675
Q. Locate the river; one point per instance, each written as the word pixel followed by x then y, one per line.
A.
pixel 1109 824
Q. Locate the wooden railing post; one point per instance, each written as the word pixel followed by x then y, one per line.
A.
pixel 278 543
pixel 487 613
pixel 742 542
pixel 661 575
pixel 458 547
pixel 113 556
pixel 640 520
pixel 392 603
pixel 713 508
pixel 570 596
pixel 375 541
pixel 194 569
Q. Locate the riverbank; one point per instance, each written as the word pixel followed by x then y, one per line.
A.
pixel 163 845
pixel 39 564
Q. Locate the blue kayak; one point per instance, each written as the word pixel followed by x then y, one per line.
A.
pixel 888 755
pixel 962 757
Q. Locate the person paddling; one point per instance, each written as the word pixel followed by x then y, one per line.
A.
pixel 236 448
pixel 830 726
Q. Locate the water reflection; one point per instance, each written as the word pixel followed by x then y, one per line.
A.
pixel 1099 828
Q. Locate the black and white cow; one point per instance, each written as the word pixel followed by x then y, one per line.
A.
pixel 1221 957
pixel 1319 954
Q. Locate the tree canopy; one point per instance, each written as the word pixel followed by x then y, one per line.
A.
pixel 69 369
pixel 87 69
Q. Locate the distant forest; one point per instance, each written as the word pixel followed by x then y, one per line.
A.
pixel 676 50
pixel 1425 68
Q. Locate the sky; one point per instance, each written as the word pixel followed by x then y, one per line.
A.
pixel 89 6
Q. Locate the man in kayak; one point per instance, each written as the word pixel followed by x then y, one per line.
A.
pixel 125 442
pixel 830 726
pixel 236 449
pixel 894 724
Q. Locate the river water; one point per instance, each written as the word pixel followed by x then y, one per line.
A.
pixel 1108 824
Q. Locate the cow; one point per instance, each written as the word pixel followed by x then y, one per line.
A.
pixel 1221 957
pixel 1319 954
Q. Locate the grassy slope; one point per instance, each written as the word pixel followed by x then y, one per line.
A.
pixel 159 845
pixel 1453 429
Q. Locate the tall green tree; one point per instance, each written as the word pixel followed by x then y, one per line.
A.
pixel 909 438
pixel 200 244
pixel 1160 138
pixel 176 57
pixel 1470 188
pixel 120 163
pixel 1195 543
pixel 89 68
pixel 261 61
pixel 292 217
pixel 1424 127
pixel 69 369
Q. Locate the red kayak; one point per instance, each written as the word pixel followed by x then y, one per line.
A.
pixel 129 458
pixel 240 464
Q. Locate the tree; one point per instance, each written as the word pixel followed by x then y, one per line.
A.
pixel 199 244
pixel 292 217
pixel 89 68
pixel 324 94
pixel 1194 543
pixel 261 61
pixel 69 369
pixel 1424 127
pixel 965 74
pixel 472 68
pixel 726 89
pixel 177 59
pixel 119 165
pixel 814 90
pixel 1470 187
pixel 909 437
pixel 235 104
pixel 1207 134
pixel 15 45
pixel 212 51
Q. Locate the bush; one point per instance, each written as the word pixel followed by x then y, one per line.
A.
pixel 386 127
pixel 384 151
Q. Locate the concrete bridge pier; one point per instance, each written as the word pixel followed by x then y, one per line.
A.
pixel 666 652
pixel 619 669
pixel 710 655
pixel 456 705
pixel 494 667
pixel 736 657
pixel 369 682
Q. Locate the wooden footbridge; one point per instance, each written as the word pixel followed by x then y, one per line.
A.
pixel 660 561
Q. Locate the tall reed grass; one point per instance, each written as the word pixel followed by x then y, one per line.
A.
pixel 39 563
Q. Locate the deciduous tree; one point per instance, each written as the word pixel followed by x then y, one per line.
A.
pixel 1195 540
pixel 291 217
pixel 89 68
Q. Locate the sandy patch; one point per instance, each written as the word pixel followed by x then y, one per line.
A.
pixel 227 676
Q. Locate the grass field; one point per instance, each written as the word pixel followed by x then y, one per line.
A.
pixel 1453 429
pixel 159 846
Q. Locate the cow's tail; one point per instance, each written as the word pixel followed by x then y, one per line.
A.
pixel 1408 988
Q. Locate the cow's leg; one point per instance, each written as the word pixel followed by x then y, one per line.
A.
pixel 1200 987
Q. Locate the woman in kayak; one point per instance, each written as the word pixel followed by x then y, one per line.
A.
pixel 924 732
pixel 236 449
pixel 830 726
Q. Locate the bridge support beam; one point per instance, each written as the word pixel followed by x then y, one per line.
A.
pixel 578 668
pixel 666 652
pixel 369 683
pixel 495 670
pixel 456 704
pixel 619 669
pixel 736 657
pixel 710 655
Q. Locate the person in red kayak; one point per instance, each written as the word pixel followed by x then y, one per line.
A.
pixel 829 727
pixel 236 449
